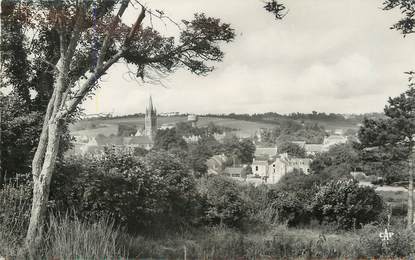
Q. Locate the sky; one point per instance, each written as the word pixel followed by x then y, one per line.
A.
pixel 335 56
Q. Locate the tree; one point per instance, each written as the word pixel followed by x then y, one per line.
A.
pixel 139 193
pixel 406 24
pixel 347 204
pixel 243 150
pixel 392 138
pixel 276 8
pixel 19 132
pixel 169 139
pixel 225 202
pixel 292 149
pixel 89 37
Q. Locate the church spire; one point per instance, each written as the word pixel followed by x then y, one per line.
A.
pixel 150 104
pixel 150 119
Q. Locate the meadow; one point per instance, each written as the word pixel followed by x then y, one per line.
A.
pixel 93 127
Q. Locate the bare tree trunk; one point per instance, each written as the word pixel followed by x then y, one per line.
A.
pixel 411 193
pixel 41 186
pixel 43 165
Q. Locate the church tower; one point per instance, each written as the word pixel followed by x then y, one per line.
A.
pixel 150 120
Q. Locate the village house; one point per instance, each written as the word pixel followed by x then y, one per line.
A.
pixel 272 172
pixel 260 168
pixel 234 172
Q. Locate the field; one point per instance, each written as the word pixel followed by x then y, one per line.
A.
pixel 93 127
pixel 107 126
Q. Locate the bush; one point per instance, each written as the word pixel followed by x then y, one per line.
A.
pixel 138 192
pixel 290 206
pixel 224 202
pixel 401 244
pixel 347 204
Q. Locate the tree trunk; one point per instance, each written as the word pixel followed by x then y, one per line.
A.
pixel 411 194
pixel 43 165
pixel 41 186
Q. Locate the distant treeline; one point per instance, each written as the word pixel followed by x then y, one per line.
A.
pixel 318 116
pixel 271 117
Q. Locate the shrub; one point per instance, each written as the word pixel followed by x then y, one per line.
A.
pixel 346 203
pixel 401 244
pixel 138 192
pixel 290 206
pixel 224 202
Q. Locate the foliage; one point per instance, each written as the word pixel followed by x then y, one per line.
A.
pixel 290 207
pixel 401 244
pixel 338 162
pixel 126 130
pixel 292 149
pixel 20 129
pixel 225 204
pixel 390 140
pixel 275 8
pixel 137 192
pixel 241 150
pixel 407 9
pixel 169 139
pixel 347 204
pixel 14 216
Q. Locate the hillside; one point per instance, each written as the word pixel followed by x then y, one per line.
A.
pixel 93 127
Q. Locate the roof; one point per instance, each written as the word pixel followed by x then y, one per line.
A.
pixel 260 162
pixel 138 140
pixel 119 140
pixel 318 148
pixel 336 137
pixel 112 140
pixel 270 151
pixel 233 170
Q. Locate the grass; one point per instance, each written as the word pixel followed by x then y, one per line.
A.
pixel 14 218
pixel 106 126
pixel 72 238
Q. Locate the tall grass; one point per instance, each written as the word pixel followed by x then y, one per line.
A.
pixel 14 217
pixel 70 238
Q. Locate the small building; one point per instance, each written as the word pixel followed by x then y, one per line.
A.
pixel 192 119
pixel 284 165
pixel 260 168
pixel 192 139
pixel 234 172
pixel 167 126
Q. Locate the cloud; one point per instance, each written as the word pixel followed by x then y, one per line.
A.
pixel 333 56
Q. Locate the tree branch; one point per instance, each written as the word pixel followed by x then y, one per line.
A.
pixel 107 39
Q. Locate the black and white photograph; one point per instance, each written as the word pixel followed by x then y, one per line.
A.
pixel 207 129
